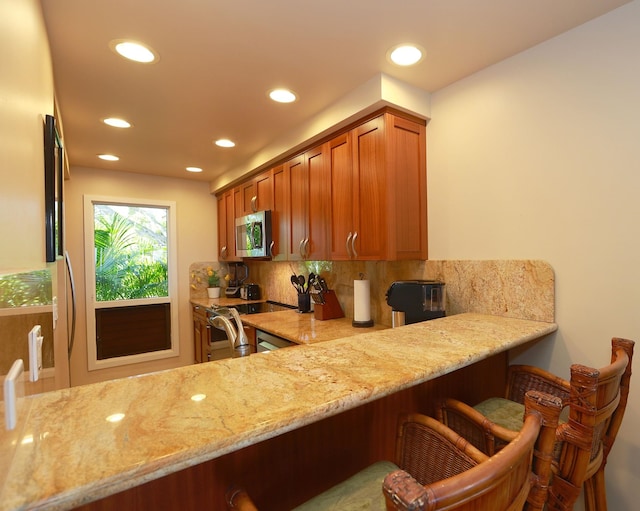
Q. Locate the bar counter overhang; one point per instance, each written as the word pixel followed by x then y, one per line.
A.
pixel 285 424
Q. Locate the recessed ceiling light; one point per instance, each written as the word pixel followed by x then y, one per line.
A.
pixel 225 142
pixel 116 123
pixel 194 169
pixel 108 157
pixel 282 95
pixel 134 51
pixel 405 55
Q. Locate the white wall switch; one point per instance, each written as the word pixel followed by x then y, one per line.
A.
pixel 35 352
pixel 13 388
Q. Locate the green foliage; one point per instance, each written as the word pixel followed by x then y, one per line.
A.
pixel 131 254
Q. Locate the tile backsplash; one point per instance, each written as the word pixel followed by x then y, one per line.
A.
pixel 512 288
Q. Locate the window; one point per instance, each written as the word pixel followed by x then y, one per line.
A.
pixel 130 266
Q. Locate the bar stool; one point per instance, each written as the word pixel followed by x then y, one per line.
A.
pixel 436 469
pixel 596 400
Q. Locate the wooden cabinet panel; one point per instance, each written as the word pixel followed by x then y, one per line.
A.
pixel 316 197
pixel 370 191
pixel 247 194
pixel 280 213
pixel 298 186
pixel 342 211
pixel 263 191
pixel 201 334
pixel 226 225
pixel 408 173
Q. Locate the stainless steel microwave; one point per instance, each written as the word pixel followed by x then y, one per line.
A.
pixel 253 234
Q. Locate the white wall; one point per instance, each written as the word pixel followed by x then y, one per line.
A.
pixel 538 157
pixel 196 227
pixel 26 95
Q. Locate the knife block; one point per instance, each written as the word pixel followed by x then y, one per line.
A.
pixel 330 309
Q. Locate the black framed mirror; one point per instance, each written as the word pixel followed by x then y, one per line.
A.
pixel 53 187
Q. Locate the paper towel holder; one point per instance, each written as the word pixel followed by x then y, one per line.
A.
pixel 360 323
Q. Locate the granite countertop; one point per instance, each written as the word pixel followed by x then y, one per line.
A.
pixel 292 325
pixel 65 453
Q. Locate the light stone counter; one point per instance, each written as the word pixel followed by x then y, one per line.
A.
pixel 65 453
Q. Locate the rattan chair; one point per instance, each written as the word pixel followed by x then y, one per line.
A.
pixel 596 400
pixel 441 470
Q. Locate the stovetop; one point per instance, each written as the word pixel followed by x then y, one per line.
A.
pixel 256 308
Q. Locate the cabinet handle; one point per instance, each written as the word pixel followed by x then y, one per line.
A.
pixel 346 245
pixel 301 248
pixel 306 248
pixel 254 205
pixel 271 245
pixel 353 245
pixel 223 252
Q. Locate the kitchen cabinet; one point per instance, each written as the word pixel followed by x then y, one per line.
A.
pixel 201 334
pixel 226 226
pixel 378 191
pixel 279 213
pixel 308 195
pixel 255 194
pixel 360 195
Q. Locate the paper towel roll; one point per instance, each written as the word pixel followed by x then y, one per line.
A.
pixel 361 303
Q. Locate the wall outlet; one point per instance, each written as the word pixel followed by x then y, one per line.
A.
pixel 35 352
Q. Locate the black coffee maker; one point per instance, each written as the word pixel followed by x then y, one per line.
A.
pixel 413 301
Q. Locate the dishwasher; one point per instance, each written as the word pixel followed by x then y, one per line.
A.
pixel 269 342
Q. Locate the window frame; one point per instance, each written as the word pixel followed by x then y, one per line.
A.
pixel 90 282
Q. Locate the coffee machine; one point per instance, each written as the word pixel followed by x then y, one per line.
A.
pixel 238 273
pixel 413 301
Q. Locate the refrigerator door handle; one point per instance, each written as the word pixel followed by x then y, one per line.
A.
pixel 72 330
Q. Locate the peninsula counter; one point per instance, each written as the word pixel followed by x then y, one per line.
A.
pixel 185 433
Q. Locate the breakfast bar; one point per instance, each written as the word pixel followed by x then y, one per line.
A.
pixel 311 414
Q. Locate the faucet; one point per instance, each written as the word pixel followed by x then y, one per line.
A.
pixel 240 346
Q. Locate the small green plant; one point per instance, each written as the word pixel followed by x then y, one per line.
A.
pixel 212 277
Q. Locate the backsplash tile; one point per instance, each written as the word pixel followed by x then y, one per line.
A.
pixel 511 288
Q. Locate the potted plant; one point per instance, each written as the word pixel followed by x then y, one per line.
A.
pixel 213 280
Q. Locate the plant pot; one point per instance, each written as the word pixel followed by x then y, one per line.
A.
pixel 213 292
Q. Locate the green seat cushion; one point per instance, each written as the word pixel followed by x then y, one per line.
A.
pixel 361 492
pixel 503 412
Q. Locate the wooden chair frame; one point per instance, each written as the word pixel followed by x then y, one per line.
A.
pixel 469 479
pixel 597 400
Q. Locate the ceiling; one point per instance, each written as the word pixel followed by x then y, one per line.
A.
pixel 218 60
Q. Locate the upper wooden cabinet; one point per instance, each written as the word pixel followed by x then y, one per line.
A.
pixel 378 191
pixel 226 226
pixel 361 195
pixel 308 193
pixel 256 194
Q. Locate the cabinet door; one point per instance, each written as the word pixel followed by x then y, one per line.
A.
pixel 201 335
pixel 407 173
pixel 317 196
pixel 226 227
pixel 248 199
pixel 342 211
pixel 263 192
pixel 370 191
pixel 298 207
pixel 279 213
